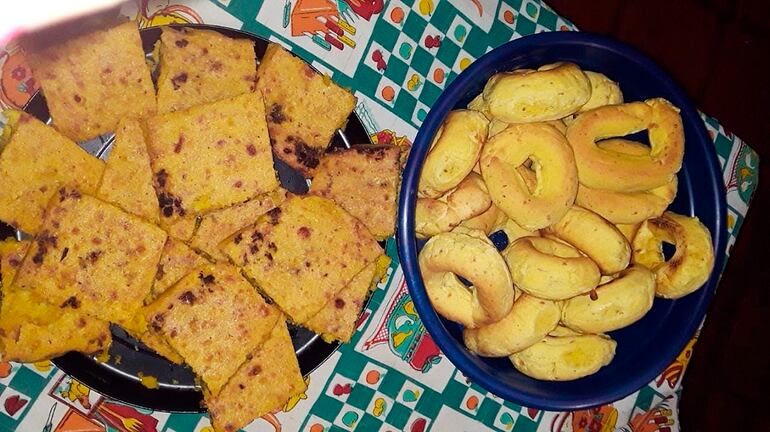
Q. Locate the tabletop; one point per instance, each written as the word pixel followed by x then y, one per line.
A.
pixel 396 56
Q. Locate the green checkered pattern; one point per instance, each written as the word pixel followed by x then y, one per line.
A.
pixel 345 394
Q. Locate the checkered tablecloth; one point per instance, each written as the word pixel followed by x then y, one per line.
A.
pixel 397 57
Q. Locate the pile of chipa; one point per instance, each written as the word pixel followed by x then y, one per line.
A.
pixel 539 155
pixel 185 237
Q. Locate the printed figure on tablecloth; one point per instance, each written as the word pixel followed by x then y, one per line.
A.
pixel 743 177
pixel 17 85
pixel 660 418
pixel 75 394
pixel 404 333
pixel 124 418
pixel 158 15
pixel 396 337
pixel 73 421
pixel 599 419
pixel 675 370
pixel 324 27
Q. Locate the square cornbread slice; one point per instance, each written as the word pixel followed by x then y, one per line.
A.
pixel 210 156
pixel 127 179
pixel 93 81
pixel 220 224
pixel 304 108
pixel 338 318
pixel 21 339
pixel 176 261
pixel 200 66
pixel 262 384
pixel 302 253
pixel 12 253
pixel 214 319
pixel 364 181
pixel 179 227
pixel 35 161
pixel 92 257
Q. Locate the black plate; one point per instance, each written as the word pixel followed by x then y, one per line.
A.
pixel 177 390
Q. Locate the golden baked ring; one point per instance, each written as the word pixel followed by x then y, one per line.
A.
pixel 470 198
pixel 472 256
pixel 629 230
pixel 549 269
pixel 565 358
pixel 604 91
pixel 529 321
pixel 453 153
pixel 562 331
pixel 497 126
pixel 553 163
pixel 613 305
pixel 494 220
pixel 690 266
pixel 549 93
pixel 627 207
pixel 600 168
pixel 595 237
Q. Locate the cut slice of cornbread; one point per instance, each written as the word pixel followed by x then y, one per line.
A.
pixel 220 224
pixel 12 253
pixel 92 257
pixel 364 181
pixel 210 156
pixel 21 339
pixel 337 319
pixel 127 179
pixel 302 253
pixel 214 319
pixel 262 384
pixel 35 162
pixel 93 81
pixel 200 66
pixel 304 108
pixel 176 261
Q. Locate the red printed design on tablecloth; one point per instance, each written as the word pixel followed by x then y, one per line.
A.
pixel 17 85
pixel 675 370
pixel 125 418
pixel 658 419
pixel 13 403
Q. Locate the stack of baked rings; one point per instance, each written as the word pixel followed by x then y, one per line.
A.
pixel 539 156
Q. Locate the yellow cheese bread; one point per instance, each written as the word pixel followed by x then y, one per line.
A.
pixel 220 224
pixel 364 181
pixel 127 179
pixel 93 81
pixel 214 319
pixel 302 253
pixel 339 317
pixel 179 227
pixel 200 66
pixel 160 346
pixel 304 108
pixel 210 156
pixel 92 257
pixel 35 161
pixel 176 260
pixel 262 384
pixel 11 255
pixel 22 340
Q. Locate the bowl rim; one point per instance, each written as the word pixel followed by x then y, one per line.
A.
pixel 407 245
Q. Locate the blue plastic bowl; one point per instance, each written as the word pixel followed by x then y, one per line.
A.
pixel 649 345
